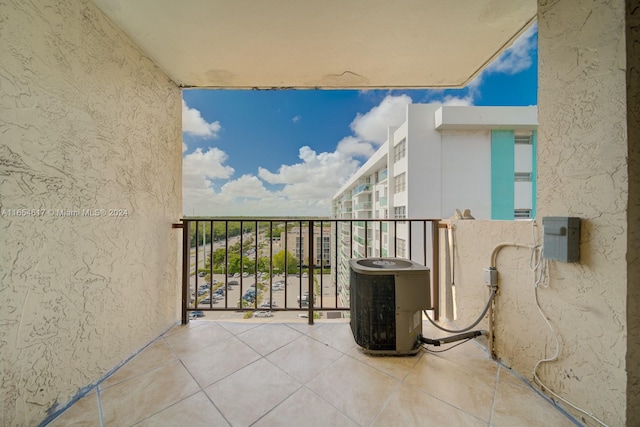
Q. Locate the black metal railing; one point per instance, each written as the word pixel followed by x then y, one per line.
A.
pixel 257 266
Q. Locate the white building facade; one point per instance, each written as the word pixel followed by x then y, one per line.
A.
pixel 442 158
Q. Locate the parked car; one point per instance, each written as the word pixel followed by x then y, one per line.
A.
pixel 196 313
pixel 201 274
pixel 263 314
pixel 206 300
pixel 305 275
pixel 233 283
pixel 245 274
pixel 267 304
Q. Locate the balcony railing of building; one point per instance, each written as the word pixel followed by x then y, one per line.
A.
pixel 361 189
pixel 243 265
pixel 364 206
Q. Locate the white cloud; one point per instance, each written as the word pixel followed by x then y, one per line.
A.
pixel 247 186
pixel 455 100
pixel 372 126
pixel 208 164
pixel 301 189
pixel 317 174
pixel 194 124
pixel 518 56
pixel 307 186
pixel 296 119
pixel 352 146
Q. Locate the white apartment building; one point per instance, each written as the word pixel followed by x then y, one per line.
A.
pixel 442 158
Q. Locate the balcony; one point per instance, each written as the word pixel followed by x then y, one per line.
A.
pixel 363 206
pixel 362 188
pixel 233 269
pixel 270 374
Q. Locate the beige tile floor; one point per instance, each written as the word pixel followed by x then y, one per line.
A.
pixel 294 374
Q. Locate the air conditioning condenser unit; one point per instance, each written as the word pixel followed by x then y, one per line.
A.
pixel 387 296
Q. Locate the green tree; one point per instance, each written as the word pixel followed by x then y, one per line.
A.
pixel 275 232
pixel 279 262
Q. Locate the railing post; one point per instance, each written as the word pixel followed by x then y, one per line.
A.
pixel 435 267
pixel 311 287
pixel 185 271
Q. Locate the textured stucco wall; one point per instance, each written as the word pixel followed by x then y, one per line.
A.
pixel 474 241
pixel 582 172
pixel 86 122
pixel 633 214
pixel 585 157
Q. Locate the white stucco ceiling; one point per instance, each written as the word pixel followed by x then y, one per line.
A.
pixel 321 43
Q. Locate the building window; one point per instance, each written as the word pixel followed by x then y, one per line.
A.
pixel 400 149
pixel 299 247
pixel 522 139
pixel 400 183
pixel 323 249
pixel 401 248
pixel 523 176
pixel 521 213
pixel 400 212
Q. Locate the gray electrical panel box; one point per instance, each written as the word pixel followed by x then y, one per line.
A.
pixel 561 239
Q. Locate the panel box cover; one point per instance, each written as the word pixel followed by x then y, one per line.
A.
pixel 561 240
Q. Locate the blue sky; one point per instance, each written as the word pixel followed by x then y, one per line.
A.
pixel 286 152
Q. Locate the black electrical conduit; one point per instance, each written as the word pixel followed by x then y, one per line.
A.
pixel 453 338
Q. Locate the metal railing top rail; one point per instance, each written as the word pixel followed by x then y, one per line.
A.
pixel 253 250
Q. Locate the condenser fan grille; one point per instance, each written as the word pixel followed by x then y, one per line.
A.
pixel 384 263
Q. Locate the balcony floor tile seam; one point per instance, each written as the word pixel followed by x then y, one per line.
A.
pixel 264 356
pixel 444 402
pixel 208 347
pixel 101 387
pixel 330 346
pixel 305 386
pixel 100 411
pixel 418 356
pixel 495 393
pixel 151 414
pixel 282 402
pixel 395 390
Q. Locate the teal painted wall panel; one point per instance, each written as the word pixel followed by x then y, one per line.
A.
pixel 502 174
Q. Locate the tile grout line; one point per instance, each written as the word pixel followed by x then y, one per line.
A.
pixel 100 413
pixel 386 401
pixel 280 403
pixel 262 357
pixel 201 390
pixel 495 394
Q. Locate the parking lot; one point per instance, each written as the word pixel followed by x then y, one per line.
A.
pixel 271 295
